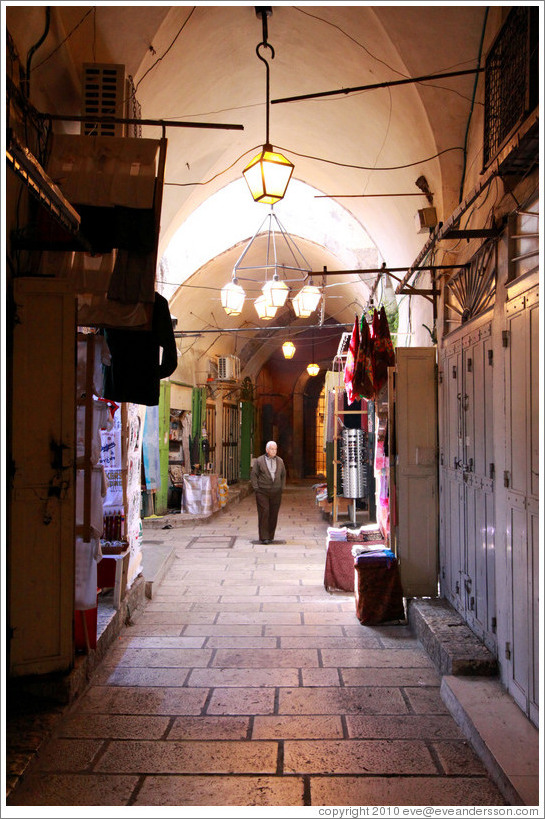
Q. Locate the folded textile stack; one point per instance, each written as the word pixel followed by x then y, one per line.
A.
pixel 383 557
pixel 361 548
pixel 366 533
pixel 336 533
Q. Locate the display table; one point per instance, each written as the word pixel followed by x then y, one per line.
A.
pixel 339 566
pixel 379 595
pixel 200 494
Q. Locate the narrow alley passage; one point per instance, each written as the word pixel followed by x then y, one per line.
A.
pixel 244 682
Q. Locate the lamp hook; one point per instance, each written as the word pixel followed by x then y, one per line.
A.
pixel 264 12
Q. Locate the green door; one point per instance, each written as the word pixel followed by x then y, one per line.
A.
pixel 161 498
pixel 246 438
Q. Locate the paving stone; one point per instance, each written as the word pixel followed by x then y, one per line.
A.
pixel 127 726
pixel 146 677
pixel 404 790
pixel 402 726
pixel 159 657
pixel 157 641
pixel 262 658
pixel 459 758
pixel 271 791
pixel 315 641
pixel 370 658
pixel 341 701
pixel 124 700
pixel 241 701
pixel 74 789
pixel 426 701
pixel 312 677
pixel 226 630
pixel 243 677
pixel 68 755
pixel 189 757
pixel 400 757
pixel 391 676
pixel 180 617
pixel 297 727
pixel 267 618
pixel 211 728
pixel 231 641
pixel 282 630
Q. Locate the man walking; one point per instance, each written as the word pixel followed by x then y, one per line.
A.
pixel 268 478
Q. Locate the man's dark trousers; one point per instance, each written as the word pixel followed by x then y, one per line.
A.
pixel 267 513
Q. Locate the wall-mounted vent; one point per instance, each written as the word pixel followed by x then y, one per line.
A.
pixel 103 95
pixel 228 368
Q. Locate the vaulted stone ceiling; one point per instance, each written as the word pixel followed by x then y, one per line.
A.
pixel 199 64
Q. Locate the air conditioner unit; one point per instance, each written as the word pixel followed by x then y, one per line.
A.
pixel 228 368
pixel 425 219
pixel 106 91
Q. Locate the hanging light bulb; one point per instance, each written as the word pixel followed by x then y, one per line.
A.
pixel 275 291
pixel 232 297
pixel 288 348
pixel 264 310
pixel 268 173
pixel 313 369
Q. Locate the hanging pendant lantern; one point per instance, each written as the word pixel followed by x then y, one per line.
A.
pixel 275 292
pixel 232 298
pixel 288 348
pixel 313 369
pixel 264 310
pixel 268 175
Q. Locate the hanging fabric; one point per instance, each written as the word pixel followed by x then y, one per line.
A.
pixel 140 359
pixel 351 357
pixel 383 351
pixel 363 378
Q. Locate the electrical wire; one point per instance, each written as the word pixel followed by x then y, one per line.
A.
pixel 65 39
pixel 164 54
pixel 316 159
pixel 374 57
pixel 475 83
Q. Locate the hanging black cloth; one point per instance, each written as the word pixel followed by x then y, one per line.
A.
pixel 137 366
pixel 351 420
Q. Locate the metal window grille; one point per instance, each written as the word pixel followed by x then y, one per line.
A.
pixel 511 79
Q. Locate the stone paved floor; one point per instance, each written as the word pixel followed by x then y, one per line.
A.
pixel 245 683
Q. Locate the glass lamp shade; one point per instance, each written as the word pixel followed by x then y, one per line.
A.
pixel 288 348
pixel 313 369
pixel 264 310
pixel 299 307
pixel 310 298
pixel 275 292
pixel 268 175
pixel 232 298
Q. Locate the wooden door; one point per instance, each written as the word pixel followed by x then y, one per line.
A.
pixel 416 470
pixel 521 479
pixel 41 548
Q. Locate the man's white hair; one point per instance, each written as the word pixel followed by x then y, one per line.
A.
pixel 269 443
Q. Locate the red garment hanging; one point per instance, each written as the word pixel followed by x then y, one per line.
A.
pixel 363 376
pixel 351 357
pixel 383 350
